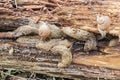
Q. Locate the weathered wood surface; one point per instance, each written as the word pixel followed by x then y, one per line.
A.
pixel 27 57
pixel 72 13
pixel 11 24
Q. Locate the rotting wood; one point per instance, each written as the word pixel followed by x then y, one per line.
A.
pixel 78 14
pixel 41 62
pixel 10 23
pixel 50 68
pixel 109 60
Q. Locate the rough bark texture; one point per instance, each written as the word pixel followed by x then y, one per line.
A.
pixel 74 13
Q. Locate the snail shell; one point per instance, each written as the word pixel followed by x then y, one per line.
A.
pixel 44 31
pixel 103 24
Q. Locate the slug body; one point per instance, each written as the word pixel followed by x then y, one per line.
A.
pixel 58 46
pixel 82 35
pixel 46 30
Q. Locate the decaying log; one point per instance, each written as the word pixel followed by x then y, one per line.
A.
pixel 73 13
pixel 38 61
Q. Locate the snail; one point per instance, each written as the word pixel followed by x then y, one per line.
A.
pixel 103 23
pixel 44 30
